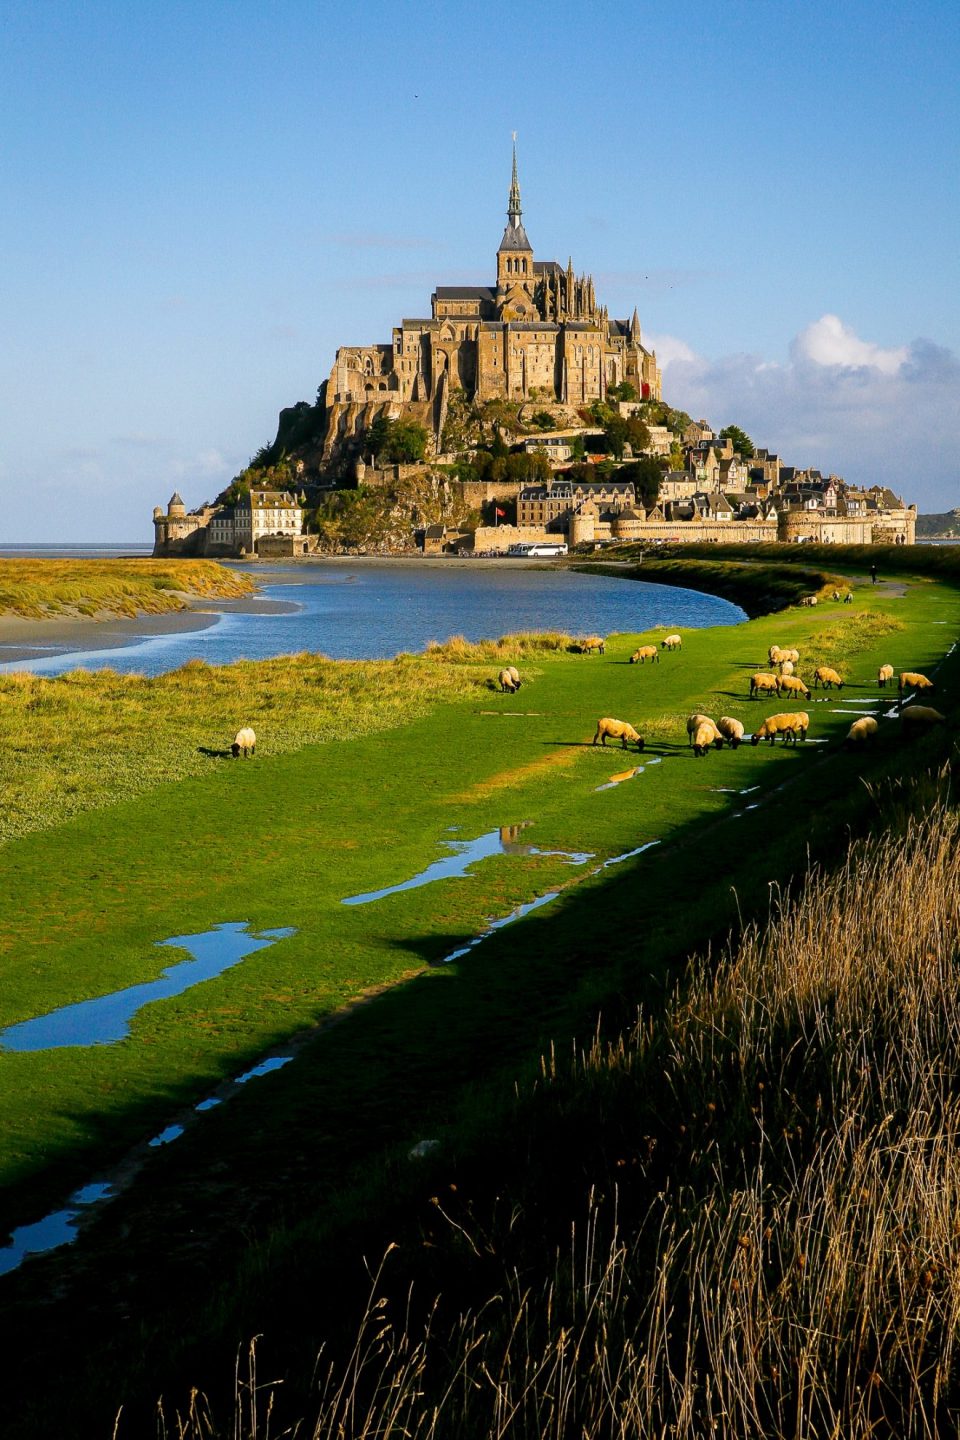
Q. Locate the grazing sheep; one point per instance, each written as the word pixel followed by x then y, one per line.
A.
pixel 617 730
pixel 861 732
pixel 786 667
pixel 788 724
pixel 913 680
pixel 793 685
pixel 592 643
pixel 507 682
pixel 836 595
pixel 696 722
pixel 245 743
pixel 920 717
pixel 645 653
pixel 731 730
pixel 809 600
pixel 884 674
pixel 671 642
pixel 704 736
pixel 775 655
pixel 762 683
pixel 848 598
pixel 515 676
pixel 793 656
pixel 826 677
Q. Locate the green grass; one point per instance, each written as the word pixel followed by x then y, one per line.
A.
pixel 281 840
pixel 42 589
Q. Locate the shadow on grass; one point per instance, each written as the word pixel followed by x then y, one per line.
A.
pixel 214 754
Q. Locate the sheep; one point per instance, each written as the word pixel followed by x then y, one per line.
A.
pixel 731 730
pixel 786 667
pixel 592 643
pixel 920 717
pixel 671 642
pixel 787 724
pixel 617 730
pixel 515 676
pixel 848 598
pixel 836 595
pixel 762 682
pixel 809 600
pixel 775 655
pixel 245 743
pixel 826 677
pixel 697 722
pixel 913 680
pixel 704 736
pixel 861 732
pixel 645 653
pixel 792 655
pixel 884 674
pixel 507 682
pixel 793 685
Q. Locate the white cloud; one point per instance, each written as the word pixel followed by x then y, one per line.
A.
pixel 841 403
pixel 829 342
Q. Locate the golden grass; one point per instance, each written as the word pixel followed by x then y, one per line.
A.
pixel 520 774
pixel 525 644
pixel 41 589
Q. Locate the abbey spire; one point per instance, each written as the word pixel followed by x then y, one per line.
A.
pixel 515 256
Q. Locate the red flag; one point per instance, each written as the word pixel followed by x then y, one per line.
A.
pixel 499 511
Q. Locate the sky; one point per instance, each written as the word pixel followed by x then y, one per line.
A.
pixel 202 199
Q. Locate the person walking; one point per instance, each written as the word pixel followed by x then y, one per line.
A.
pixel 873 573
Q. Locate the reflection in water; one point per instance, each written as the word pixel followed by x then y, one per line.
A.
pixel 106 1019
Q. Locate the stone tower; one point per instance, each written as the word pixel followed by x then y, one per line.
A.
pixel 515 256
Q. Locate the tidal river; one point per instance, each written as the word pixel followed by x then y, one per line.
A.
pixel 370 609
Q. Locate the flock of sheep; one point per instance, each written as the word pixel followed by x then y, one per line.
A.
pixel 703 733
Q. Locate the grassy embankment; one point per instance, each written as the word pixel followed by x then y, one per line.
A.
pixel 282 840
pixel 43 589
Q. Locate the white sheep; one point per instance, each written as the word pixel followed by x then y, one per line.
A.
pixel 617 730
pixel 245 743
pixel 671 642
pixel 823 675
pixel 704 736
pixel 793 685
pixel 793 656
pixel 809 600
pixel 861 732
pixel 786 667
pixel 884 674
pixel 913 680
pixel 507 682
pixel 731 730
pixel 645 653
pixel 775 655
pixel 591 643
pixel 515 676
pixel 920 717
pixel 788 724
pixel 762 683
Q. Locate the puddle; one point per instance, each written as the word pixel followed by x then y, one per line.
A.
pixel 496 925
pixel 848 713
pixel 624 775
pixel 532 905
pixel 106 1019
pixel 56 1229
pixel 750 789
pixel 628 854
pixel 61 1227
pixel 854 701
pixel 724 790
pixel 504 841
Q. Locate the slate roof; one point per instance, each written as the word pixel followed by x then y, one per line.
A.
pixel 464 292
pixel 514 238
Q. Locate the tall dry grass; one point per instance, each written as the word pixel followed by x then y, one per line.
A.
pixel 774 1249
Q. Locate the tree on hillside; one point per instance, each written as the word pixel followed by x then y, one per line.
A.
pixel 399 441
pixel 741 440
pixel 615 431
pixel 637 434
pixel 623 391
pixel 645 476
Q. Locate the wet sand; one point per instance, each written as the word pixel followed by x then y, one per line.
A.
pixel 26 639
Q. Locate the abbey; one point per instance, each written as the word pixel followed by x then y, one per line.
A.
pixel 538 333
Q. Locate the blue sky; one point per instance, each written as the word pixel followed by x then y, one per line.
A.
pixel 202 200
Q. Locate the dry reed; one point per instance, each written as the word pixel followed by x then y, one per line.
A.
pixel 781 1254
